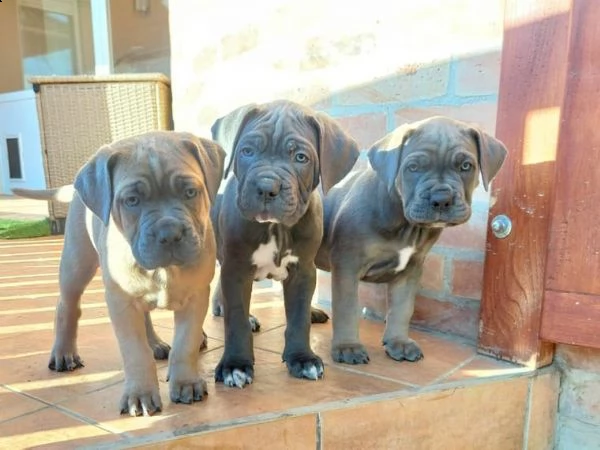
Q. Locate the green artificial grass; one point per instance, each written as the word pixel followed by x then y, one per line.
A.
pixel 21 228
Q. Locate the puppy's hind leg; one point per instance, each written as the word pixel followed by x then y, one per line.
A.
pixel 78 265
pixel 160 348
pixel 217 307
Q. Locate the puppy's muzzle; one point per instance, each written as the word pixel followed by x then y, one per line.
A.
pixel 267 188
pixel 170 232
pixel 441 200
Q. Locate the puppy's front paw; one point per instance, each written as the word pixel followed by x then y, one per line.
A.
pixel 138 401
pixel 187 391
pixel 234 372
pixel 353 353
pixel 64 359
pixel 305 365
pixel 402 349
pixel 254 323
pixel 318 316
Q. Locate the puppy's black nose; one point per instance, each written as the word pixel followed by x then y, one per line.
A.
pixel 170 232
pixel 268 188
pixel 441 201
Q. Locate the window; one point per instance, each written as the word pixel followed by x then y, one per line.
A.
pixel 15 171
pixel 55 37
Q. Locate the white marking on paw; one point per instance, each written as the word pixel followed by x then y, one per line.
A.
pixel 403 258
pixel 237 379
pixel 313 373
pixel 264 260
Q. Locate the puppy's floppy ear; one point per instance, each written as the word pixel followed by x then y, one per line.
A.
pixel 94 184
pixel 211 158
pixel 226 130
pixel 491 154
pixel 337 150
pixel 385 154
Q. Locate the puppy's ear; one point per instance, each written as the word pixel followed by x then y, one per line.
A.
pixel 227 129
pixel 211 158
pixel 491 154
pixel 385 154
pixel 337 150
pixel 94 185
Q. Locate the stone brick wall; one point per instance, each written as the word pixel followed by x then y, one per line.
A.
pixel 578 425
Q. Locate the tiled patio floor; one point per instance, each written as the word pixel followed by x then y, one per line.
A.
pixel 39 407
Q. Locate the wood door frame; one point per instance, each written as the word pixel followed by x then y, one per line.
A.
pixel 531 95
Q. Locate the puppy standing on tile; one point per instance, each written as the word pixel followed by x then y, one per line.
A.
pixel 140 212
pixel 269 223
pixel 380 223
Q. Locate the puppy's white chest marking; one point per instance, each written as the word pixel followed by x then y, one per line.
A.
pixel 264 260
pixel 403 258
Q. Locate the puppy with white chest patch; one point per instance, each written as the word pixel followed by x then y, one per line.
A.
pixel 269 223
pixel 380 223
pixel 141 212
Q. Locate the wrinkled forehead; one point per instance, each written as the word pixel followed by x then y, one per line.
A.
pixel 155 160
pixel 441 137
pixel 276 128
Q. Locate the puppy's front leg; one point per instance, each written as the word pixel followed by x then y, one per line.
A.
pixel 298 290
pixel 401 305
pixel 346 346
pixel 236 367
pixel 141 395
pixel 185 385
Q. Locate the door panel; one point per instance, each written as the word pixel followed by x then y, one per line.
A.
pixel 574 250
pixel 542 282
pixel 532 78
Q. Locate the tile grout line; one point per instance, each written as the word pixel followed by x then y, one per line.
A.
pixel 453 370
pixel 68 412
pixel 319 443
pixel 527 421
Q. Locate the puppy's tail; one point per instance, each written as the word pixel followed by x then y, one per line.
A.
pixel 63 194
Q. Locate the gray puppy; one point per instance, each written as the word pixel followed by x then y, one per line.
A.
pixel 269 223
pixel 380 223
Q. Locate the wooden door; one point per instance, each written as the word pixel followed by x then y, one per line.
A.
pixel 542 282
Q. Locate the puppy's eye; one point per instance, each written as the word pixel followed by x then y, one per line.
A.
pixel 466 166
pixel 412 167
pixel 247 151
pixel 300 158
pixel 132 201
pixel 190 193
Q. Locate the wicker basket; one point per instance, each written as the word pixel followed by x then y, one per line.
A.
pixel 79 114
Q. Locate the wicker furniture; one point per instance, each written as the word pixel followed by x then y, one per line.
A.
pixel 79 114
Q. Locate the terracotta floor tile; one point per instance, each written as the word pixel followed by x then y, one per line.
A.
pixel 440 355
pixel 484 367
pixel 289 433
pixel 415 422
pixel 15 405
pixel 273 390
pixel 25 363
pixel 28 295
pixel 23 314
pixel 50 428
pixel 543 410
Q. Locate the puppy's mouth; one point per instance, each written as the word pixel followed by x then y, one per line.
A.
pixel 424 216
pixel 266 217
